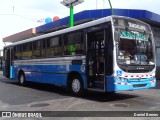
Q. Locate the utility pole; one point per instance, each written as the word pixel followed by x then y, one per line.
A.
pixel 111 7
pixel 70 4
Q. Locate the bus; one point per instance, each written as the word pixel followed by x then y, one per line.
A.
pixel 109 54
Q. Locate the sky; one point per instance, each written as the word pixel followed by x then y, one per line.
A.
pixel 20 15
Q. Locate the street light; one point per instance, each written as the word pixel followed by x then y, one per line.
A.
pixel 70 4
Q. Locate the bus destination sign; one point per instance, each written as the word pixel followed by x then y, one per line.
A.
pixel 133 35
pixel 137 26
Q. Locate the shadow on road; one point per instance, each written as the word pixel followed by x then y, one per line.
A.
pixel 89 95
pixel 39 86
pixel 107 97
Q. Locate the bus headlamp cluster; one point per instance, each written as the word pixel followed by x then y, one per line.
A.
pixel 121 79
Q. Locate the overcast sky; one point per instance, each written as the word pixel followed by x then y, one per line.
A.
pixel 19 15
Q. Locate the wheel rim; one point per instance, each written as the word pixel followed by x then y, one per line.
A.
pixel 21 78
pixel 76 85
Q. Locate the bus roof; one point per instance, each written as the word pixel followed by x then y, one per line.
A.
pixel 80 26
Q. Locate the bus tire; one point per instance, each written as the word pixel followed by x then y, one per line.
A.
pixel 21 79
pixel 76 86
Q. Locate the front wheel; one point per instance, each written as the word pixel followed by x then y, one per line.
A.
pixel 76 86
pixel 22 79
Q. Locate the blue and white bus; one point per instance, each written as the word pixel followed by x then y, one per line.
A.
pixel 109 54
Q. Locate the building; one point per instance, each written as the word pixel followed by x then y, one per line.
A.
pixel 88 15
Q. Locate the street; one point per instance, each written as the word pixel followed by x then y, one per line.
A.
pixel 44 97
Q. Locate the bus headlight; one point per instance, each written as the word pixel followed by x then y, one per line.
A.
pixel 123 79
pixel 117 78
pixel 120 79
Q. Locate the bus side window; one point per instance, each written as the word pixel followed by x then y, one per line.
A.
pixel 48 51
pixel 73 43
pixel 18 52
pixel 57 47
pixel 27 51
pixel 54 47
pixel 43 48
pixel 37 49
pixel 109 52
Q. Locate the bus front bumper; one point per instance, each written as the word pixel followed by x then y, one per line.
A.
pixel 112 84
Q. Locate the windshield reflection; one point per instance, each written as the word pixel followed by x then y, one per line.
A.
pixel 133 50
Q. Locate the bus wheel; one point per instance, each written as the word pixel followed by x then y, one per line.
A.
pixel 22 79
pixel 76 86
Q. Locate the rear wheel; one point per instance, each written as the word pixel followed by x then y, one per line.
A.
pixel 76 86
pixel 22 79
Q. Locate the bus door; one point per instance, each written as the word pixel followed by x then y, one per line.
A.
pixel 96 60
pixel 8 61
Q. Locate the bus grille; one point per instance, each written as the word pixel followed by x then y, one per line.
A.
pixel 139 85
pixel 138 71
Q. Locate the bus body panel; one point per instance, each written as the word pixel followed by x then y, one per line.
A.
pixel 52 74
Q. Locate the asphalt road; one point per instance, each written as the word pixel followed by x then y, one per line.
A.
pixel 43 97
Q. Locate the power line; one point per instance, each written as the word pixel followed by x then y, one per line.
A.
pixel 24 17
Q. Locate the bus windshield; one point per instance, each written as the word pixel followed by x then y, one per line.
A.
pixel 134 48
